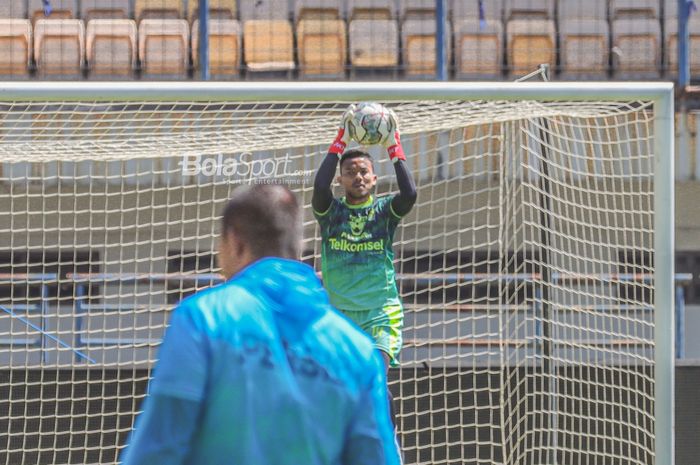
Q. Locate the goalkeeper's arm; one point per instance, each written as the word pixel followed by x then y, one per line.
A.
pixel 406 198
pixel 323 194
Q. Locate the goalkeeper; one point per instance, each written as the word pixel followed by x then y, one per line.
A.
pixel 357 232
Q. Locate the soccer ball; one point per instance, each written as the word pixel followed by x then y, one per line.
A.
pixel 370 124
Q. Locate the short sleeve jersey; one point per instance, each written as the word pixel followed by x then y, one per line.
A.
pixel 357 259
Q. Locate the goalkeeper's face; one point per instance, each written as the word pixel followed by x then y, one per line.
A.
pixel 357 178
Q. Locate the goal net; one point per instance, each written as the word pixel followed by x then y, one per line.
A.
pixel 535 268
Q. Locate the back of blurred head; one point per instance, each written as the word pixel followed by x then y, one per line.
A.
pixel 261 220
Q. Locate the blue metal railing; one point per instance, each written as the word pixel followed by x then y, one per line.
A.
pixel 83 280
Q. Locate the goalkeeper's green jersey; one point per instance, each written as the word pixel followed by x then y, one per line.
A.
pixel 357 258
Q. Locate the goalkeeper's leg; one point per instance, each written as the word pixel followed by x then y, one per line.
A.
pixel 392 409
pixel 384 325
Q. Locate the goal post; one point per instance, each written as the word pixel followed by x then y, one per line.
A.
pixel 536 268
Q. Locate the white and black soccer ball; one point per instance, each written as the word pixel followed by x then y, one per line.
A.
pixel 370 124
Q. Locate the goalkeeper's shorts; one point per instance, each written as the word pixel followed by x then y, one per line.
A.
pixel 384 325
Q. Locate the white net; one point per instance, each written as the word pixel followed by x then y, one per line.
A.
pixel 525 267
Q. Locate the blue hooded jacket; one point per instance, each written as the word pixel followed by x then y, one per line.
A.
pixel 262 370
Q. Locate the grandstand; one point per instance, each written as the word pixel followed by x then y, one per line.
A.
pixel 314 39
pixel 106 230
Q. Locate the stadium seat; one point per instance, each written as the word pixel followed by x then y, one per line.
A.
pixel 530 42
pixel 636 48
pixel 224 47
pixel 584 48
pixel 416 9
pixel 478 48
pixel 584 37
pixel 269 45
pixel 15 47
pixel 13 9
pixel 634 8
pixel 264 9
pixel 371 9
pixel 576 9
pixel 322 46
pixel 469 9
pixel 218 9
pixel 59 47
pixel 374 43
pixel 157 9
pixel 111 48
pixel 418 49
pixel 671 31
pixel 60 9
pixel 317 9
pixel 164 48
pixel 516 9
pixel 104 9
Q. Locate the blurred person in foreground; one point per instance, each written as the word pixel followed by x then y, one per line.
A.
pixel 261 369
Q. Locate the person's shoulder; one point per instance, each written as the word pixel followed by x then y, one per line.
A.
pixel 383 203
pixel 383 200
pixel 206 303
pixel 334 205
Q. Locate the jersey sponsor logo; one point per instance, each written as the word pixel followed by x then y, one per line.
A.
pixel 343 245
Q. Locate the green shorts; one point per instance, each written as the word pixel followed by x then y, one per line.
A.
pixel 384 325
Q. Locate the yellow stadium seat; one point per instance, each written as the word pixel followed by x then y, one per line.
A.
pixel 157 9
pixel 374 43
pixel 15 47
pixel 59 47
pixel 478 48
pixel 321 44
pixel 317 9
pixel 519 9
pixel 634 8
pixel 218 9
pixel 636 48
pixel 60 9
pixel 530 42
pixel 111 47
pixel 371 9
pixel 269 45
pixel 417 9
pixel 104 9
pixel 164 48
pixel 224 47
pixel 584 48
pixel 419 42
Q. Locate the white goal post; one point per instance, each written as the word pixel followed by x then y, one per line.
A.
pixel 536 268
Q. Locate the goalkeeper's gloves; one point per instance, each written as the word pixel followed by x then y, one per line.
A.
pixel 393 142
pixel 343 138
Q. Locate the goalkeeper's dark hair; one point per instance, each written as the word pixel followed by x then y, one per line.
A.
pixel 356 153
pixel 267 218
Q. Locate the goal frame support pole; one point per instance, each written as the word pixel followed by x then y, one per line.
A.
pixel 660 93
